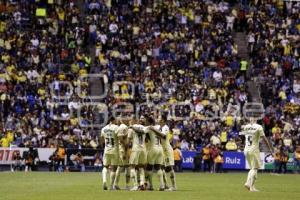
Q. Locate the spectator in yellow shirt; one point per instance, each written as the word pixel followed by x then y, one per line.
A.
pixel 231 145
pixel 61 14
pixel 5 57
pixel 218 162
pixel 4 142
pixel 177 159
pixel 2 26
pixel 284 157
pixel 10 136
pixel 276 132
pixel 21 77
pixel 223 137
pixel 206 157
pixel 229 121
pixel 61 153
pixel 276 160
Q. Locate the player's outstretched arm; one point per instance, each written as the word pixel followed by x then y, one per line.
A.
pixel 137 129
pixel 157 132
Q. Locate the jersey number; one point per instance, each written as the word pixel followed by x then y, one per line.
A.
pixel 249 141
pixel 140 139
pixel 110 142
pixel 157 142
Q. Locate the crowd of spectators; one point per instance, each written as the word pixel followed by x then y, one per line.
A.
pixel 37 54
pixel 178 52
pixel 273 30
pixel 173 52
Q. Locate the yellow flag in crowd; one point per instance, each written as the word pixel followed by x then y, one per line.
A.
pixel 40 12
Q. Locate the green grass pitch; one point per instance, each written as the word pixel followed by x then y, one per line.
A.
pixel 87 186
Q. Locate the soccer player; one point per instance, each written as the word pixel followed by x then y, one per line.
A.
pixel 155 156
pixel 123 156
pixel 253 132
pixel 168 156
pixel 137 159
pixel 110 157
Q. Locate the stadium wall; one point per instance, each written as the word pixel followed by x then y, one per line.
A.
pixel 236 161
pixel 6 154
pixel 232 160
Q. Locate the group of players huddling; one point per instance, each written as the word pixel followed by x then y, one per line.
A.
pixel 138 148
pixel 144 145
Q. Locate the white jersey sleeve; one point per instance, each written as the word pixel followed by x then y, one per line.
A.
pixel 122 130
pixel 165 130
pixel 165 141
pixel 140 128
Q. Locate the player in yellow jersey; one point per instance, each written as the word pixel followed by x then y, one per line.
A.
pixel 253 132
pixel 137 159
pixel 155 156
pixel 168 156
pixel 109 137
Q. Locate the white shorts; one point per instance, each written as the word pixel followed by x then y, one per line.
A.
pixel 169 158
pixel 110 159
pixel 123 159
pixel 138 158
pixel 253 159
pixel 155 157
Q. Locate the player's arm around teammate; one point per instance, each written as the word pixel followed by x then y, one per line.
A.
pixel 137 159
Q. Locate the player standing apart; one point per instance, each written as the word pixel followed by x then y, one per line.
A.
pixel 253 132
pixel 110 157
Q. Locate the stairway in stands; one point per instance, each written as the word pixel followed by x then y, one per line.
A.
pixel 96 84
pixel 253 87
pixel 240 38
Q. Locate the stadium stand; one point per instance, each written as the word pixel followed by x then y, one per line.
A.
pixel 172 51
